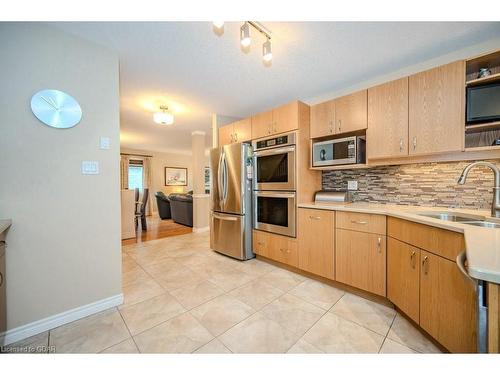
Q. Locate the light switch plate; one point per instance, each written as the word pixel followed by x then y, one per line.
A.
pixel 105 143
pixel 352 185
pixel 90 167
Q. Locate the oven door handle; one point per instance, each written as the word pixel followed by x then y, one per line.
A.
pixel 274 195
pixel 274 151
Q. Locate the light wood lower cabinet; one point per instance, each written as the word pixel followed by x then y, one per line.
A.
pixel 316 241
pixel 447 304
pixel 360 260
pixel 279 248
pixel 403 277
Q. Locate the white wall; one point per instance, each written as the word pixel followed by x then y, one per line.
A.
pixel 464 53
pixel 64 245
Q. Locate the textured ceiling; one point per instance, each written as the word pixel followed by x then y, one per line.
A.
pixel 196 72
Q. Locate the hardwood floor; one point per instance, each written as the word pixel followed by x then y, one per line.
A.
pixel 158 228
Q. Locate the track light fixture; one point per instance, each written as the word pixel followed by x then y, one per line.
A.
pixel 246 40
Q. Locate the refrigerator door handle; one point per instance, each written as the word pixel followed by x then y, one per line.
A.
pixel 219 178
pixel 224 179
pixel 226 218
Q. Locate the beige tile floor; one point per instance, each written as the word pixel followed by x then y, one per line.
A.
pixel 181 297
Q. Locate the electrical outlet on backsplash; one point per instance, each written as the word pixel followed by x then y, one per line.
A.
pixel 426 184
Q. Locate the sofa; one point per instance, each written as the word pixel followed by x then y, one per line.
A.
pixel 181 207
pixel 163 204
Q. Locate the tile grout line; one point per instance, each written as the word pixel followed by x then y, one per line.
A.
pixel 130 333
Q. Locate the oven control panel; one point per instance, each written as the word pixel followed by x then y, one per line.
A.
pixel 287 139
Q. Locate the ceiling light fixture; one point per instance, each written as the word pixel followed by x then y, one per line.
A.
pixel 267 53
pixel 165 117
pixel 245 39
pixel 218 27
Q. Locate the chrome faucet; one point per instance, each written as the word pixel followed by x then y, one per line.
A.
pixel 495 205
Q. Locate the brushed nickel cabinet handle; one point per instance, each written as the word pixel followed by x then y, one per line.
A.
pixel 232 137
pixel 412 259
pixel 359 222
pixel 424 262
pixel 315 217
pixel 414 143
pixel 340 125
pixel 260 243
pixel 236 137
pixel 401 145
pixel 379 244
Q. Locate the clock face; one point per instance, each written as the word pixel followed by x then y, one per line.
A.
pixel 56 109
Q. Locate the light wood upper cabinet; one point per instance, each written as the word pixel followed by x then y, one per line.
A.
pixel 316 241
pixel 225 135
pixel 387 133
pixel 242 130
pixel 436 110
pixel 239 131
pixel 403 277
pixel 286 118
pixel 447 304
pixel 279 120
pixel 262 124
pixel 351 112
pixel 323 119
pixel 360 260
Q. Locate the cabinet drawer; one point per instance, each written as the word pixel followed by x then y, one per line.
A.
pixel 361 222
pixel 445 243
pixel 284 250
pixel 260 243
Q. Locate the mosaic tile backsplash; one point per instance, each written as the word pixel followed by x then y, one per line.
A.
pixel 426 184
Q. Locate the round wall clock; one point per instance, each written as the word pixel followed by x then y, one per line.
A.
pixel 56 109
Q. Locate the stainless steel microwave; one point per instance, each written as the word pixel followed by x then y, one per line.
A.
pixel 349 150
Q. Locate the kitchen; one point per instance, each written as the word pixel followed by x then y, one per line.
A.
pixel 369 192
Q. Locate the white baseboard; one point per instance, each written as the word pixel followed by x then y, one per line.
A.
pixel 34 328
pixel 201 230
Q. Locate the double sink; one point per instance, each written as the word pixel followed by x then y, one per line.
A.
pixel 477 221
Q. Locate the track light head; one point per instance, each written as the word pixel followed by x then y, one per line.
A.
pixel 245 39
pixel 218 27
pixel 267 53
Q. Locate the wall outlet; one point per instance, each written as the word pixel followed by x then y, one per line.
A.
pixel 352 185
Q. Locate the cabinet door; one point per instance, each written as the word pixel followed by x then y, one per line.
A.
pixel 436 110
pixel 286 118
pixel 225 135
pixel 447 304
pixel 360 260
pixel 351 112
pixel 242 130
pixel 262 124
pixel 387 133
pixel 323 119
pixel 403 275
pixel 316 241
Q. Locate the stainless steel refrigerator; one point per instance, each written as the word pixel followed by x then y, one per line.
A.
pixel 231 200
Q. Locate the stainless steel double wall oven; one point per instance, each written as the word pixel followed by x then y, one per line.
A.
pixel 274 184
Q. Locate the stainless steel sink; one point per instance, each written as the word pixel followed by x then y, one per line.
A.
pixel 477 221
pixel 485 224
pixel 451 216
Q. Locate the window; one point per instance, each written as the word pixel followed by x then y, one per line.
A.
pixel 135 174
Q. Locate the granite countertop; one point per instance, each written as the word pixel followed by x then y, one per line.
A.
pixel 4 225
pixel 482 245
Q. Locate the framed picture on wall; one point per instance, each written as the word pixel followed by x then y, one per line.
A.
pixel 175 176
pixel 207 178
